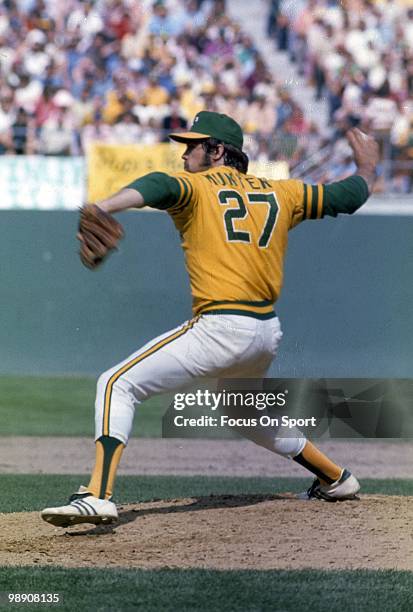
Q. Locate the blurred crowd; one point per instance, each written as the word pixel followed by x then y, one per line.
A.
pixel 358 55
pixel 125 71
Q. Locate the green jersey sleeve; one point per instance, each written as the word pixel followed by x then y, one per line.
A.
pixel 345 196
pixel 160 190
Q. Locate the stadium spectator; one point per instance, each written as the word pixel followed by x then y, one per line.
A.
pixel 96 131
pixel 126 129
pixel 150 132
pixel 83 109
pixel 296 124
pixel 173 121
pixel 282 32
pixel 56 136
pixel 27 93
pixel 39 17
pixel 154 94
pixel 45 106
pixel 119 98
pixel 36 58
pixel 381 110
pixel 84 21
pixel 284 108
pixel 21 135
pixel 261 116
pixel 118 21
pixel 7 111
pixel 163 23
pixel 52 76
pixel 272 18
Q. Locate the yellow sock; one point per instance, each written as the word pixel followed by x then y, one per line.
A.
pixel 108 453
pixel 318 463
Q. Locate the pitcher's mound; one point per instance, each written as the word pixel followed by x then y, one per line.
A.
pixel 224 532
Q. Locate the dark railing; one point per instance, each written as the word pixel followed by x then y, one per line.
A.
pixel 333 161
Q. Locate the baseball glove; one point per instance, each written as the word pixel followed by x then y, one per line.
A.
pixel 99 234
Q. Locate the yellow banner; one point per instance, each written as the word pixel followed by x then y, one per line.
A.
pixel 111 167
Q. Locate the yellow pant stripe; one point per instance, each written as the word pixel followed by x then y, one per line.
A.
pixel 132 363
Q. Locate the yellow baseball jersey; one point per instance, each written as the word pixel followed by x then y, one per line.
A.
pixel 234 230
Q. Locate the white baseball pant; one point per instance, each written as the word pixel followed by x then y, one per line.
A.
pixel 212 346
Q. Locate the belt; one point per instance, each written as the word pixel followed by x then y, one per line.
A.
pixel 257 310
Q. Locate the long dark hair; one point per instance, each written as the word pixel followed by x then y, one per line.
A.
pixel 233 157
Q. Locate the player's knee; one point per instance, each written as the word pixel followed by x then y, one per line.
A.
pixel 289 447
pixel 120 388
pixel 123 387
pixel 102 382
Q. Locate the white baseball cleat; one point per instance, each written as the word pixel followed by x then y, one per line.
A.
pixel 344 488
pixel 83 507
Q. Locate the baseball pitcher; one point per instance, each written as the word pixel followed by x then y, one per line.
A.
pixel 234 228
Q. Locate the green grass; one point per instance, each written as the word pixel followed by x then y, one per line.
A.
pixel 64 406
pixel 224 591
pixel 56 406
pixel 197 590
pixel 32 492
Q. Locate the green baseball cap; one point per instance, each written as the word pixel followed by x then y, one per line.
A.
pixel 212 125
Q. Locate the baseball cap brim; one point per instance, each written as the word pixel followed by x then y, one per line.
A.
pixel 188 136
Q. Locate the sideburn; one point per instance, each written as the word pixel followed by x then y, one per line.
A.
pixel 207 161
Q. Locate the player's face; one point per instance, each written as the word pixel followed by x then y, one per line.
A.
pixel 195 158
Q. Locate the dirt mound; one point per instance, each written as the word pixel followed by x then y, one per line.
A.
pixel 224 532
